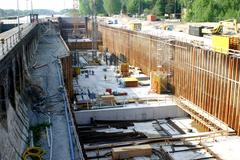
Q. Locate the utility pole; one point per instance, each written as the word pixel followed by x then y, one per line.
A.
pixel 18 21
pixel 27 10
pixel 94 29
pixel 32 6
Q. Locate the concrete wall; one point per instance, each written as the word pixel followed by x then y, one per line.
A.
pixel 129 113
pixel 14 136
pixel 14 105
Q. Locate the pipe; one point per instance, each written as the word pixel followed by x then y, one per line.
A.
pixel 47 133
pixel 51 138
pixel 66 114
pixel 31 142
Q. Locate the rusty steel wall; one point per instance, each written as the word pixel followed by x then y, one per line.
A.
pixel 68 75
pixel 144 51
pixel 208 79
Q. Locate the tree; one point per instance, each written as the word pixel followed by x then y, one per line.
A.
pixel 112 6
pixel 170 6
pixel 149 4
pixel 84 7
pixel 132 6
pixel 185 3
pixel 159 8
pixel 99 6
pixel 123 6
pixel 201 11
pixel 211 10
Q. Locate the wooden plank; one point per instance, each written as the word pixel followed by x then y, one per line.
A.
pixel 225 89
pixel 230 72
pixel 234 94
pixel 131 151
pixel 237 105
pixel 204 79
pixel 210 110
pixel 208 80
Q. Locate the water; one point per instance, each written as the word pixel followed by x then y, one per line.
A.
pixel 26 19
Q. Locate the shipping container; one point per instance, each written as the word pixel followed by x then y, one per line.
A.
pixel 196 31
pixel 151 18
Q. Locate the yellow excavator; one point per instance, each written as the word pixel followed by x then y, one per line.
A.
pixel 217 30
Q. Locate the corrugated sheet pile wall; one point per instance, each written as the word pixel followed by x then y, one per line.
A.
pixel 209 79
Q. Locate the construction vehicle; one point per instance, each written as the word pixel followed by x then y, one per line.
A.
pixel 217 30
pixel 167 27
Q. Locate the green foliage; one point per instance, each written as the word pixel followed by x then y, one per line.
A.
pixel 84 7
pixel 99 6
pixel 149 4
pixel 37 132
pixel 211 10
pixel 132 6
pixel 112 6
pixel 123 6
pixel 159 8
pixel 170 6
pixel 186 3
pixel 197 10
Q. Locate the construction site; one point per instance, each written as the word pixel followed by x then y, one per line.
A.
pixel 120 87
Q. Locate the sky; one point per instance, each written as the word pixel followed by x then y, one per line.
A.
pixel 56 5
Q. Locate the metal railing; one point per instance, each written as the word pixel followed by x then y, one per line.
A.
pixel 14 37
pixel 8 43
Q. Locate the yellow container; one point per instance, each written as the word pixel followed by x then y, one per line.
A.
pixel 220 44
pixel 124 67
pixel 130 82
pixel 77 70
pixel 135 26
pixel 158 82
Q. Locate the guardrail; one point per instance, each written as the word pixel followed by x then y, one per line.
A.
pixel 7 42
